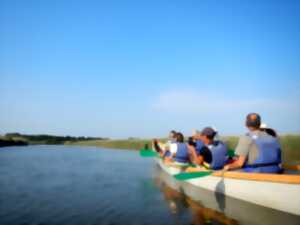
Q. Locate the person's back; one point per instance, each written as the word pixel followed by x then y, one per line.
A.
pixel 212 153
pixel 264 153
pixel 182 154
pixel 257 151
pixel 219 155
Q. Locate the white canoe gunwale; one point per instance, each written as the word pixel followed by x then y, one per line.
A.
pixel 280 192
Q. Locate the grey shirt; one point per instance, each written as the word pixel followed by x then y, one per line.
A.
pixel 247 146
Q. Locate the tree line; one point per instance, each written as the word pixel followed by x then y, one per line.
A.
pixel 48 139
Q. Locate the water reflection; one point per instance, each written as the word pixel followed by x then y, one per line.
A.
pixel 179 203
pixel 221 200
pixel 215 208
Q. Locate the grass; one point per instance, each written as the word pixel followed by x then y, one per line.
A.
pixel 135 144
pixel 290 145
pixel 291 148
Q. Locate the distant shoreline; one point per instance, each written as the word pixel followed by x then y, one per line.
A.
pixel 7 143
pixel 290 143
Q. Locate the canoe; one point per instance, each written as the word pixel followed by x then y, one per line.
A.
pixel 276 191
pixel 231 208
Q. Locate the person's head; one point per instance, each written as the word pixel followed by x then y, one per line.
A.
pixel 253 121
pixel 172 134
pixel 207 135
pixel 191 141
pixel 179 137
pixel 196 135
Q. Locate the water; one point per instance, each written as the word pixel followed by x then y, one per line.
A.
pixel 43 185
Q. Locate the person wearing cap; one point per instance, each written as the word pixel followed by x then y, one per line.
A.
pixel 213 154
pixel 257 151
pixel 217 148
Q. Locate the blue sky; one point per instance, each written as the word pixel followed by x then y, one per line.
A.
pixel 141 68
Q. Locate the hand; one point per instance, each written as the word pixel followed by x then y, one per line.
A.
pixel 226 168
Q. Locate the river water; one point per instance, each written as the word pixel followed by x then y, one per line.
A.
pixel 45 185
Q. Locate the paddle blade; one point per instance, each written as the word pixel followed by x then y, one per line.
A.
pixel 186 176
pixel 148 153
pixel 231 153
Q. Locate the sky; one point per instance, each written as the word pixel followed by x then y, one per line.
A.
pixel 123 69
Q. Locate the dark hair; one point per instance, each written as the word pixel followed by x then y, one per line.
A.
pixel 270 131
pixel 179 137
pixel 212 136
pixel 253 120
pixel 173 132
pixel 191 142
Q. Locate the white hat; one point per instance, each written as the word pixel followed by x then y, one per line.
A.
pixel 263 126
pixel 215 129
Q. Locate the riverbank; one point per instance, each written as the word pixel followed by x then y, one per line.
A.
pixel 290 145
pixel 42 139
pixel 6 142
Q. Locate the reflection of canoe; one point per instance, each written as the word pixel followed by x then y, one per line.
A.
pixel 280 192
pixel 200 214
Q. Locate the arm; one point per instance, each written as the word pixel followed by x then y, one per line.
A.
pixel 242 150
pixel 156 146
pixel 193 154
pixel 239 163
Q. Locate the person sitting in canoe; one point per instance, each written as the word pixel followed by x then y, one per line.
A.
pixel 164 149
pixel 213 154
pixel 180 151
pixel 257 151
pixel 196 141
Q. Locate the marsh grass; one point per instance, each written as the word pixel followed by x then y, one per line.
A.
pixel 290 145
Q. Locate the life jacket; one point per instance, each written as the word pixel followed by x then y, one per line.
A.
pixel 219 155
pixel 182 154
pixel 199 146
pixel 269 155
pixel 167 153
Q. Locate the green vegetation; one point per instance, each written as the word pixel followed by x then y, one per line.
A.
pixel 6 141
pixel 47 139
pixel 291 148
pixel 290 145
pixel 134 144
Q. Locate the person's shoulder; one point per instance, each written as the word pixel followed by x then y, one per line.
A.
pixel 246 137
pixel 261 133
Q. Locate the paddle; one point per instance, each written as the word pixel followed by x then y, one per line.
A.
pixel 191 175
pixel 148 153
pixel 231 153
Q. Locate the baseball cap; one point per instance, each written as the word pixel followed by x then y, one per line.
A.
pixel 209 132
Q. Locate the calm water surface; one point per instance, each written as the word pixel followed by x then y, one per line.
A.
pixel 85 185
